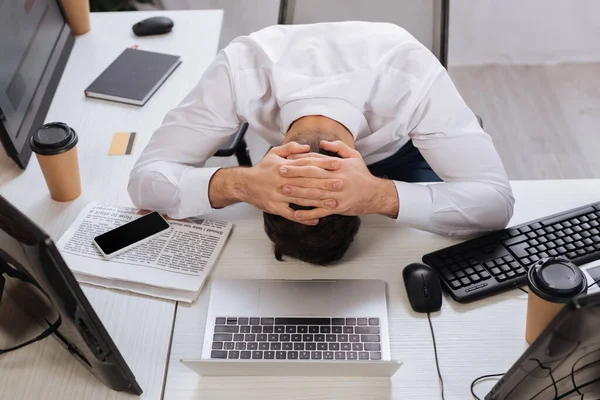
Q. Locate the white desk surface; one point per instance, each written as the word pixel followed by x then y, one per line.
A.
pixel 480 338
pixel 140 326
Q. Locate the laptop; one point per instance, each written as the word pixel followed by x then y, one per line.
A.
pixel 296 328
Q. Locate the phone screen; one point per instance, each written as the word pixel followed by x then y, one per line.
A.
pixel 131 233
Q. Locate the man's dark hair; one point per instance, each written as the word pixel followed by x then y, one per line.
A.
pixel 321 244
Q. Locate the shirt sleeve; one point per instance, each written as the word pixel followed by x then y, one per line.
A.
pixel 169 176
pixel 476 195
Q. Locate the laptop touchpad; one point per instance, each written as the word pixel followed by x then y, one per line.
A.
pixel 299 299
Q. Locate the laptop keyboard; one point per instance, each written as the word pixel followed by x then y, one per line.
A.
pixel 291 338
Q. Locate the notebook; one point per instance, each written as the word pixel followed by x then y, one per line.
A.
pixel 133 77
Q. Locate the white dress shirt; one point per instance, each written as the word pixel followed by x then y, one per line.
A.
pixel 374 78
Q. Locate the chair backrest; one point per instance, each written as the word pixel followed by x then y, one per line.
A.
pixel 426 20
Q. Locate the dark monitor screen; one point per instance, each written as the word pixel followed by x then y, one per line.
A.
pixel 34 275
pixel 35 43
pixel 563 362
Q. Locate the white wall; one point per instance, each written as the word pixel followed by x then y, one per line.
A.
pixel 523 31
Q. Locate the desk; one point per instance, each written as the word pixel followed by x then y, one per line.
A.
pixel 140 326
pixel 480 338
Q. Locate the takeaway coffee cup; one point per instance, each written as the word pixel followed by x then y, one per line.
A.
pixel 552 283
pixel 78 15
pixel 55 146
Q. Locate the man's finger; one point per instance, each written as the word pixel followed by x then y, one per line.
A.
pixel 329 204
pixel 286 212
pixel 290 148
pixel 290 171
pixel 341 148
pixel 311 194
pixel 334 185
pixel 307 155
pixel 309 215
pixel 328 163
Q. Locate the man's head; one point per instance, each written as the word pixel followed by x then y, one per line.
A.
pixel 326 242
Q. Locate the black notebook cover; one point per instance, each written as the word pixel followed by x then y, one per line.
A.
pixel 133 77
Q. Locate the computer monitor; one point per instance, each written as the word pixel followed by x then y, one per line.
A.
pixel 28 254
pixel 563 362
pixel 35 44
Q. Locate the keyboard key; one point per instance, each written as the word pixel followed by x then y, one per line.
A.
pixel 542 247
pixel 292 355
pixel 357 346
pixel 338 321
pixel 262 337
pixel 501 278
pixel 361 321
pixel 315 355
pixel 222 337
pixel 325 329
pixel 254 321
pixel 217 345
pixel 542 240
pixel 246 355
pixel 543 255
pixel 285 337
pixel 319 338
pixel 268 321
pixel 553 253
pixel 475 278
pixel 531 235
pixel 495 271
pixel 367 329
pixel 514 265
pixel 321 346
pixel 268 329
pixel 280 355
pixel 525 229
pixel 588 241
pixel 313 329
pixel 238 337
pixel 520 271
pixel 234 354
pixel 296 338
pixel 536 225
pixel 257 355
pixel 363 355
pixel 465 281
pixel 581 252
pixel 351 355
pixel 310 346
pixel 342 338
pixel 372 346
pixel 455 284
pixel 490 264
pixel 256 329
pixel 218 354
pixel 328 355
pixel 287 346
pixel 263 346
pixel 463 265
pixel 447 274
pixel 308 338
pixel 570 247
pixel 369 338
pixel 336 329
pixel 348 329
pixel 231 321
pixel 586 234
pixel 220 321
pixel 511 274
pixel 334 346
pixel 513 232
pixel 350 321
pixel 579 244
pixel 243 321
pixel 245 329
pixel 330 337
pixel 269 355
pixel 346 346
pixel 460 274
pixel 276 346
pixel 375 355
pixel 577 229
pixel 505 268
pixel 252 346
pixel 305 355
pixel 373 321
pixel 561 250
pixel 484 275
pixel 302 321
pixel 479 268
pixel 290 329
pixel 354 338
pixel 469 271
pixel 279 329
pixel 340 355
pixel 273 337
pixel 519 250
pixel 302 329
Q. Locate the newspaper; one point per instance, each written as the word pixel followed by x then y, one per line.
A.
pixel 173 265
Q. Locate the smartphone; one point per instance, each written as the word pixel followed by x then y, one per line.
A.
pixel 126 236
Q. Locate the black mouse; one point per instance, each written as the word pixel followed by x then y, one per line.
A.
pixel 423 287
pixel 153 26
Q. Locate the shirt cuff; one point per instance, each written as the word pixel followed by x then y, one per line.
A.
pixel 193 192
pixel 415 204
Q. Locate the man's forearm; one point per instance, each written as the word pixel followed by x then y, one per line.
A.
pixel 227 186
pixel 385 200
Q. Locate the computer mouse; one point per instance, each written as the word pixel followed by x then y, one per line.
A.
pixel 153 26
pixel 423 287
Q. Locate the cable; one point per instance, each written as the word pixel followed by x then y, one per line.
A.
pixel 476 380
pixel 437 364
pixel 593 283
pixel 521 289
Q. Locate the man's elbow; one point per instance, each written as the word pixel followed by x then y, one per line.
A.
pixel 499 211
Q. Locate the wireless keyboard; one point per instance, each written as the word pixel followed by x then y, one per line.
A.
pixel 500 260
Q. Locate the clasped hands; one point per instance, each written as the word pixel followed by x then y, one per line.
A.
pixel 292 174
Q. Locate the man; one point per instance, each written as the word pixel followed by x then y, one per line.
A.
pixel 368 93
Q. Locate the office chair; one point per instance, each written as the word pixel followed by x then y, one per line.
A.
pixel 237 146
